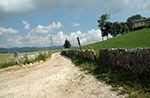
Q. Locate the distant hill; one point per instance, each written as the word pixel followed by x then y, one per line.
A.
pixel 29 49
pixel 130 40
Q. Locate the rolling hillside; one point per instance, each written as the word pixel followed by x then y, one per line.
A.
pixel 135 39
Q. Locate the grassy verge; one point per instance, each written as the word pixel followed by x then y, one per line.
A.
pixel 136 86
pixel 39 58
pixel 4 65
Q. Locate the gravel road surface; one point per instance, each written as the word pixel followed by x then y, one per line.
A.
pixel 55 78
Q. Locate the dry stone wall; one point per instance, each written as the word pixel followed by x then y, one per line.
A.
pixel 89 54
pixel 135 60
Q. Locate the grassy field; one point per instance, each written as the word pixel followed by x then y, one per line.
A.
pixel 135 39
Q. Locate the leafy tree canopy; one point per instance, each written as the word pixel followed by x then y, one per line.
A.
pixel 103 19
pixel 133 18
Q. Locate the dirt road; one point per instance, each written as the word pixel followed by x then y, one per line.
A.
pixel 55 78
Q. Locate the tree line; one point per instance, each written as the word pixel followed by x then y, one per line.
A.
pixel 116 28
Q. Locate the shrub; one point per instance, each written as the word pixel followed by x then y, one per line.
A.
pixel 41 57
pixel 27 61
pixel 4 65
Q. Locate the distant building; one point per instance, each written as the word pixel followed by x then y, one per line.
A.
pixel 141 23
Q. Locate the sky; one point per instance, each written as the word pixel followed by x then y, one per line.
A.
pixel 31 23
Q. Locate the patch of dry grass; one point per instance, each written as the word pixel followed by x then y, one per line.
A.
pixel 4 58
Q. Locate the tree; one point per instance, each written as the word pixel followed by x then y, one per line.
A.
pixel 116 29
pixel 102 22
pixel 133 18
pixel 67 44
pixel 124 28
pixel 107 28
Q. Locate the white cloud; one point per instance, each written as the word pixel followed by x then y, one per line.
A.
pixel 75 24
pixel 45 29
pixel 27 25
pixel 85 38
pixel 57 40
pixel 7 31
pixel 15 41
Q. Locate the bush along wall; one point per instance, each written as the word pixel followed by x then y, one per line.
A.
pixel 134 60
pixel 31 58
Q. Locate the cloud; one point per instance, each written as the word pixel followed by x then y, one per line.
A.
pixel 145 7
pixel 118 6
pixel 27 25
pixel 37 37
pixel 58 39
pixel 75 24
pixel 19 8
pixel 45 29
pixel 86 38
pixel 15 41
pixel 15 8
pixel 82 4
pixel 7 31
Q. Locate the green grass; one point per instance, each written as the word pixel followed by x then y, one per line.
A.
pixel 135 85
pixel 5 65
pixel 39 58
pixel 130 40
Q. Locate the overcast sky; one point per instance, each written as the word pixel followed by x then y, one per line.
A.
pixel 27 23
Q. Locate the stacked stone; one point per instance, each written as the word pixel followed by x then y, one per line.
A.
pixel 89 54
pixel 19 59
pixel 135 60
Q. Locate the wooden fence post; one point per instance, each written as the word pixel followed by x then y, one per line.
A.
pixel 79 43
